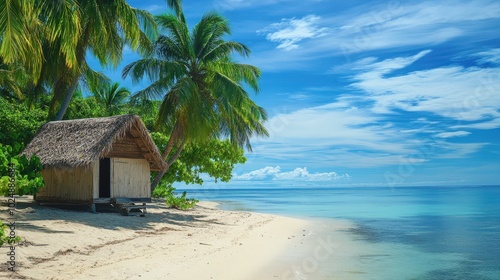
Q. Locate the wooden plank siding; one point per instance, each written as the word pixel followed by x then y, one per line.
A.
pixel 130 178
pixel 126 148
pixel 67 185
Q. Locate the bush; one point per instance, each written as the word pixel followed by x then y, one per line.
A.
pixel 28 178
pixel 181 203
pixel 18 124
pixel 4 238
pixel 173 201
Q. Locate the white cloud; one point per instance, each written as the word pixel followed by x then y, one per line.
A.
pixel 386 66
pixel 492 124
pixel 385 27
pixel 362 129
pixel 302 174
pixel 258 174
pixel 426 23
pixel 460 93
pixel 452 134
pixel 457 150
pixel 289 32
pixel 490 56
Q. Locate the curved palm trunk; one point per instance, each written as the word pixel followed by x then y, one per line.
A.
pixel 67 100
pixel 160 174
pixel 80 57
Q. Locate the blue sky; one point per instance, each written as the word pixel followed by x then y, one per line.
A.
pixel 365 93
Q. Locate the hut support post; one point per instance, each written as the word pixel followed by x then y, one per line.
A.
pixel 92 208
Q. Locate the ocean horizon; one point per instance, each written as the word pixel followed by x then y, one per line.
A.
pixel 441 232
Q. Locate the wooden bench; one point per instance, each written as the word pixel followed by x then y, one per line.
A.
pixel 124 204
pixel 125 209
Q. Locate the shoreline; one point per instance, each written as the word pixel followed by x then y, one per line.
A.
pixel 204 243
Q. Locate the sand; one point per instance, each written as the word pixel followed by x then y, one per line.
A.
pixel 203 243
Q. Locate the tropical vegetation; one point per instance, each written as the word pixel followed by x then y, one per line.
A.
pixel 201 87
pixel 197 104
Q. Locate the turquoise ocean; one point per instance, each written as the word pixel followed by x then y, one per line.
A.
pixel 417 232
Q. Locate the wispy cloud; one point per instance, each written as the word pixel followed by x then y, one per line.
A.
pixel 452 134
pixel 299 173
pixel 490 56
pixel 362 129
pixel 460 93
pixel 388 26
pixel 457 150
pixel 289 32
pixel 491 124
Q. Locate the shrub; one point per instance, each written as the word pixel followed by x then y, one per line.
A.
pixel 4 238
pixel 27 172
pixel 181 203
pixel 173 201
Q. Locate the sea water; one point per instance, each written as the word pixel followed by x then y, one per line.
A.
pixel 408 232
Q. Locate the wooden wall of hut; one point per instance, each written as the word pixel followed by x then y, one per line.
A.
pixel 130 178
pixel 67 185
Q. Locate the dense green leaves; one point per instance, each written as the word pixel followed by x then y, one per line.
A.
pixel 27 176
pixel 202 89
pixel 111 97
pixel 215 158
pixel 18 124
pixel 197 100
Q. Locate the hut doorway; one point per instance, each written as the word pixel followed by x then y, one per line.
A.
pixel 104 177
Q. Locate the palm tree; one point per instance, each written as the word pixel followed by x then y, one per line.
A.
pixel 12 80
pixel 202 89
pixel 25 26
pixel 49 40
pixel 112 97
pixel 106 26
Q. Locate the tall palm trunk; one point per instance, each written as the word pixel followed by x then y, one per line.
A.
pixel 75 74
pixel 160 174
pixel 67 100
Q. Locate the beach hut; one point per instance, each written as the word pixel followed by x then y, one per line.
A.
pixel 95 160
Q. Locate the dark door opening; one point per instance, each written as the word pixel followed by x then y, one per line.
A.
pixel 104 177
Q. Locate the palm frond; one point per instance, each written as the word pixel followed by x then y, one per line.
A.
pixel 17 41
pixel 62 22
pixel 176 5
pixel 154 91
pixel 210 29
pixel 153 69
pixel 177 30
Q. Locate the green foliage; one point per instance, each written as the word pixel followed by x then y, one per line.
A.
pixel 163 190
pixel 146 109
pixel 181 202
pixel 18 124
pixel 5 238
pixel 81 108
pixel 214 157
pixel 203 90
pixel 111 97
pixel 178 202
pixel 28 178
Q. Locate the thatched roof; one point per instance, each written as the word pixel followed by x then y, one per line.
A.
pixel 77 143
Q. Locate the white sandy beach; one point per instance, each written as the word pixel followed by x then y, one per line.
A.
pixel 204 243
